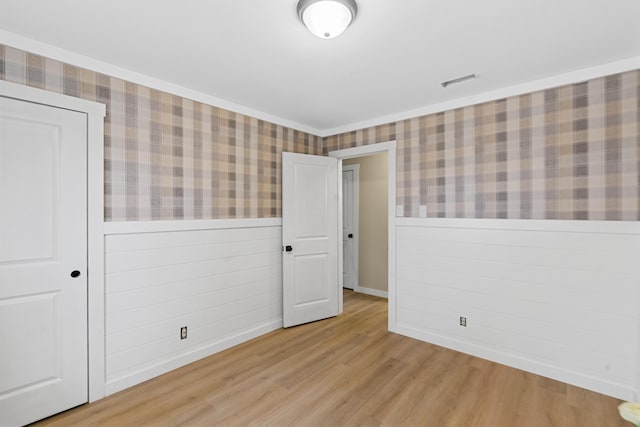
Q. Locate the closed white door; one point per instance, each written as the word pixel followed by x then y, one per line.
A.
pixel 349 226
pixel 309 238
pixel 43 259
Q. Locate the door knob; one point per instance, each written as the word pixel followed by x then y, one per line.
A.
pixel 288 248
pixel 350 235
pixel 75 273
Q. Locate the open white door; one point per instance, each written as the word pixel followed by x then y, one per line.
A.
pixel 43 261
pixel 309 238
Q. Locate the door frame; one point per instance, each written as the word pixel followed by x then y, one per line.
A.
pixel 95 218
pixel 356 221
pixel 365 150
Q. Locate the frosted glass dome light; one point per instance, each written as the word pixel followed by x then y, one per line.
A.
pixel 327 18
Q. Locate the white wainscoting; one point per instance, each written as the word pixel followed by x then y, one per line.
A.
pixel 222 279
pixel 558 298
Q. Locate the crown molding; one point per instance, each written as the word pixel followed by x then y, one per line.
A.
pixel 39 48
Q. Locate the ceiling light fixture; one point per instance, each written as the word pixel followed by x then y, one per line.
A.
pixel 327 18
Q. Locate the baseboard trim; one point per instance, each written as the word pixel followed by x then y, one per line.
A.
pixel 578 379
pixel 168 365
pixel 373 292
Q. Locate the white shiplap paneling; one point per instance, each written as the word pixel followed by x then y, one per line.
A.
pixel 224 284
pixel 559 298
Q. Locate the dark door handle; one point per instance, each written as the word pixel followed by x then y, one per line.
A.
pixel 350 235
pixel 288 248
pixel 75 273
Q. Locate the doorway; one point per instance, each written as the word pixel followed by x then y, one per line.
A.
pixel 350 224
pixel 365 218
pixel 368 150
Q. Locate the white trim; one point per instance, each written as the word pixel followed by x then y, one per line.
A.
pixel 575 76
pixel 356 221
pixel 129 227
pixel 340 247
pixel 33 46
pixel 365 150
pixel 373 292
pixel 95 214
pixel 390 148
pixel 95 238
pixel 165 366
pixel 547 225
pixel 571 377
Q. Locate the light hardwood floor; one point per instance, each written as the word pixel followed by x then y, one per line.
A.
pixel 346 371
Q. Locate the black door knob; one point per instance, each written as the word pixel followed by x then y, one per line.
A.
pixel 288 248
pixel 350 235
pixel 75 273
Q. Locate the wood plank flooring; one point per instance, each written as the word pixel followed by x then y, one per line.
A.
pixel 346 371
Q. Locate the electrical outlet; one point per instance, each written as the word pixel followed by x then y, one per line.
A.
pixel 463 321
pixel 183 333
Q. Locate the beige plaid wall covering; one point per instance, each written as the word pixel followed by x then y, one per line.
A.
pixel 168 157
pixel 571 152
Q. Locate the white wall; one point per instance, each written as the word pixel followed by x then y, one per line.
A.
pixel 221 279
pixel 558 298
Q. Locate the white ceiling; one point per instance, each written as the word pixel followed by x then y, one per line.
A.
pixel 391 60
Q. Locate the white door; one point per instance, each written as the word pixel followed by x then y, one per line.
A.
pixel 43 259
pixel 349 225
pixel 309 238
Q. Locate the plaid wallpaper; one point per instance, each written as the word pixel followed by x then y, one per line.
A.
pixel 168 157
pixel 571 152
